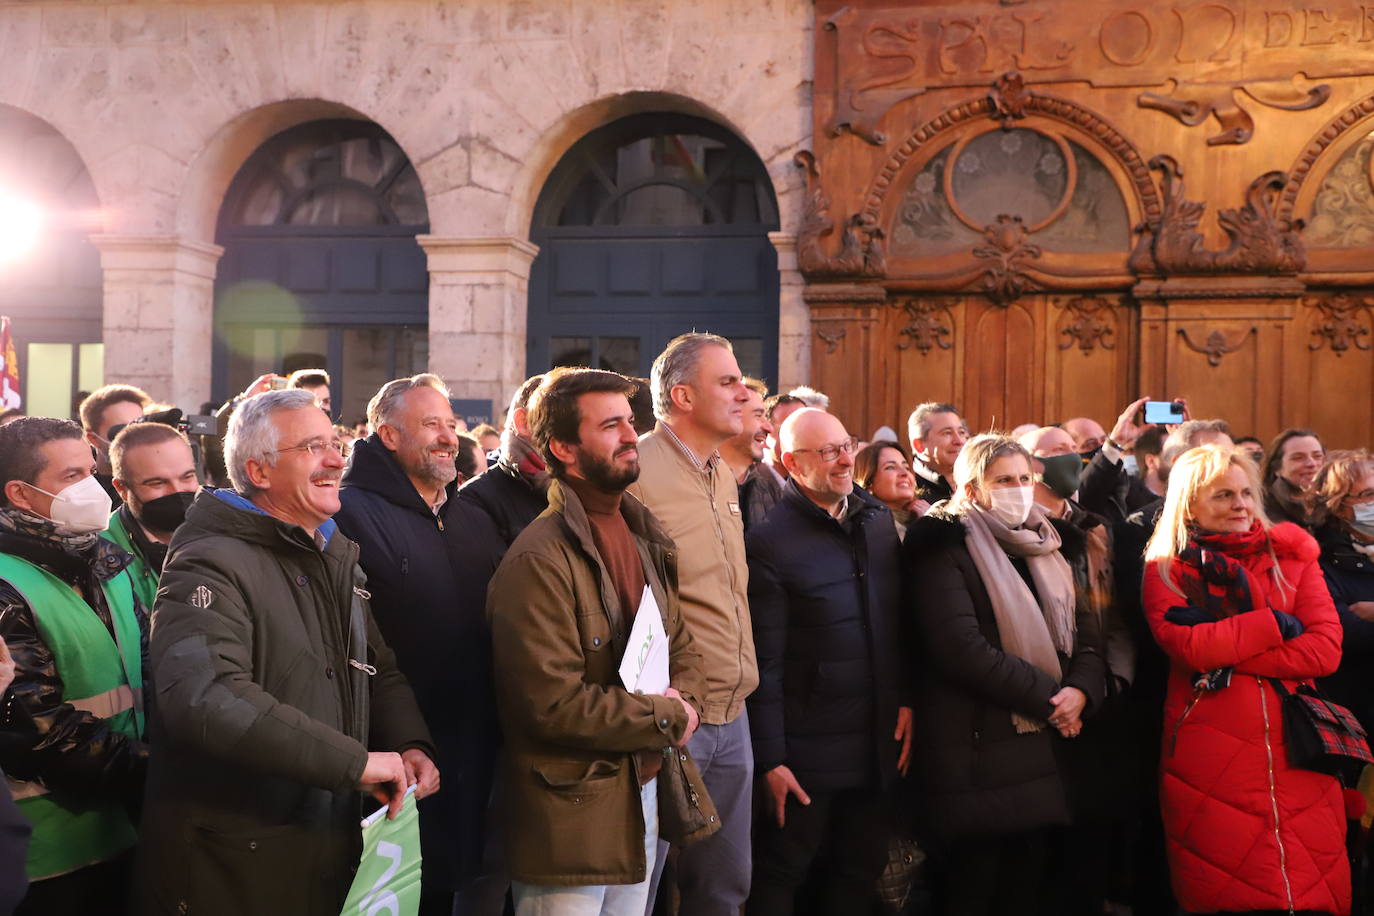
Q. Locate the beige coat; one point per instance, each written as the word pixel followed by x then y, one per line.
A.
pixel 572 804
pixel 700 510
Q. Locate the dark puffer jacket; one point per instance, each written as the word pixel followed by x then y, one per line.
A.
pixel 1350 579
pixel 977 775
pixel 509 499
pixel 428 577
pixel 824 598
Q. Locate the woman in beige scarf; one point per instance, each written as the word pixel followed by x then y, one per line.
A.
pixel 1006 668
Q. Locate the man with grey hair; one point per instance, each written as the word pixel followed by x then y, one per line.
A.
pixel 428 553
pixel 699 398
pixel 937 433
pixel 277 699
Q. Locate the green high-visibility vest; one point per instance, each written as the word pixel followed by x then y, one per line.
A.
pixel 102 675
pixel 143 577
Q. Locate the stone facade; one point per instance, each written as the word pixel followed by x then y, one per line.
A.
pixel 163 102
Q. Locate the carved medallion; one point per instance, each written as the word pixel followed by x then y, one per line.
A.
pixel 929 325
pixel 1088 321
pixel 1339 324
pixel 1009 97
pixel 1005 280
pixel 1216 346
pixel 831 333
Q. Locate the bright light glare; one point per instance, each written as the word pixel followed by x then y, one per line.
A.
pixel 21 223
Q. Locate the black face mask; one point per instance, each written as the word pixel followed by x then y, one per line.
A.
pixel 1088 456
pixel 166 513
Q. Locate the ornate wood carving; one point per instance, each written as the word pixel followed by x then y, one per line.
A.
pixel 1333 130
pixel 1047 106
pixel 1339 325
pixel 1217 345
pixel 1087 321
pixel 831 333
pixel 1005 280
pixel 861 250
pixel 1009 98
pixel 1237 126
pixel 929 324
pixel 1259 243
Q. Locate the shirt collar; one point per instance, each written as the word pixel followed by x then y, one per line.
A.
pixel 703 466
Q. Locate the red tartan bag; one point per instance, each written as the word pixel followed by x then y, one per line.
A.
pixel 1322 735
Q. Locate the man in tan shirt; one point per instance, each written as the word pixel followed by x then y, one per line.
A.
pixel 699 398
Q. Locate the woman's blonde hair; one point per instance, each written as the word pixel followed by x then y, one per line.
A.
pixel 1193 472
pixel 1341 474
pixel 977 455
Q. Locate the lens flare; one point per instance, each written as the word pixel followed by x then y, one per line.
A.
pixel 21 224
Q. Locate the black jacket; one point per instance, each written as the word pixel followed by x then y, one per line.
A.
pixel 508 499
pixel 1350 578
pixel 930 486
pixel 1108 490
pixel 824 597
pixel 76 755
pixel 977 775
pixel 428 578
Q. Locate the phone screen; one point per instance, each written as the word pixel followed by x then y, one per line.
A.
pixel 1165 412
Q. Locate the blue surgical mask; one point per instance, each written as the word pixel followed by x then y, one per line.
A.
pixel 1129 463
pixel 1364 519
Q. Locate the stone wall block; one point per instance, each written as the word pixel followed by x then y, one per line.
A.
pixel 480 211
pixel 464 20
pixel 75 82
pixel 450 303
pixel 426 116
pixel 20 47
pixel 301 34
pixel 74 26
pixel 146 24
pixel 645 26
pixel 596 44
pixel 237 52
pixel 519 86
pixel 449 169
pixel 121 306
pixel 140 352
pixel 134 185
pixel 491 308
pixel 491 168
pixel 525 19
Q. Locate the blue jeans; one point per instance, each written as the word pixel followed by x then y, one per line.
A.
pixel 597 900
pixel 713 874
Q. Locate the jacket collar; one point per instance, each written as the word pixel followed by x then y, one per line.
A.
pixel 859 504
pixel 711 460
pixel 926 472
pixel 373 467
pixel 640 520
pixel 224 512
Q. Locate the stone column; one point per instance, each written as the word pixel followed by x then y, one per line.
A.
pixel 159 315
pixel 794 318
pixel 478 302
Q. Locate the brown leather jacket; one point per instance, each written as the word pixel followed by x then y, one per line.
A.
pixel 572 804
pixel 700 509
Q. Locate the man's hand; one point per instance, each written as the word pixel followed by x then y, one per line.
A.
pixel 693 720
pixel 420 772
pixel 903 734
pixel 1361 609
pixel 1068 708
pixel 782 783
pixel 1187 415
pixel 260 384
pixel 1125 432
pixel 385 777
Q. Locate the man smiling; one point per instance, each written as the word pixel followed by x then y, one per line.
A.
pixel 277 698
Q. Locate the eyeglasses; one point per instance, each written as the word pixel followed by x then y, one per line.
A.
pixel 313 447
pixel 831 452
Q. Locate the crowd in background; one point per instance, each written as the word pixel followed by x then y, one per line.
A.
pixel 938 673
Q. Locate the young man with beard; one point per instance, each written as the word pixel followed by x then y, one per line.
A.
pixel 277 699
pixel 759 490
pixel 583 753
pixel 428 553
pixel 155 474
pixel 71 737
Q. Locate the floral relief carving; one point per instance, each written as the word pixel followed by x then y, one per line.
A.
pixel 861 249
pixel 831 335
pixel 1217 344
pixel 1005 280
pixel 929 325
pixel 1260 243
pixel 1088 321
pixel 1339 324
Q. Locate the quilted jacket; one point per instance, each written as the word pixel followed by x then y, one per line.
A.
pixel 1245 830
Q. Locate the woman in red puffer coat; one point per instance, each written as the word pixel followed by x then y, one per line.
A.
pixel 1233 601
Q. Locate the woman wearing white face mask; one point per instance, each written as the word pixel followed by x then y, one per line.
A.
pixel 1004 671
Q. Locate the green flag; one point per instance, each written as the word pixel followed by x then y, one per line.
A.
pixel 388 879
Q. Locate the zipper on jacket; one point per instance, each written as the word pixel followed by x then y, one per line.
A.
pixel 1173 739
pixel 1274 800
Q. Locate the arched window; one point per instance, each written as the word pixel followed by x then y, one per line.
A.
pixel 321 268
pixel 648 227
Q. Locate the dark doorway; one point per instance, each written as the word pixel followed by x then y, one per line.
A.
pixel 651 226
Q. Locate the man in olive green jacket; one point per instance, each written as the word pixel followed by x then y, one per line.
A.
pixel 582 752
pixel 276 698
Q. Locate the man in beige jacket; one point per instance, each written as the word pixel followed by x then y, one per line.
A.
pixel 699 398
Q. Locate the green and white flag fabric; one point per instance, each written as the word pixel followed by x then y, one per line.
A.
pixel 388 879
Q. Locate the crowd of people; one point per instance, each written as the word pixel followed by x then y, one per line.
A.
pixel 674 645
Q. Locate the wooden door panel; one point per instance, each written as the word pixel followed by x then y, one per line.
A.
pixel 1216 365
pixel 1332 346
pixel 1090 347
pixel 1000 366
pixel 926 335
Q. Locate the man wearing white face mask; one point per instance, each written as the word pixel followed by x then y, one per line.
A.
pixel 71 736
pixel 1007 667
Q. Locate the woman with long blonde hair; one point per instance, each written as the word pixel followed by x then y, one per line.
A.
pixel 1235 602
